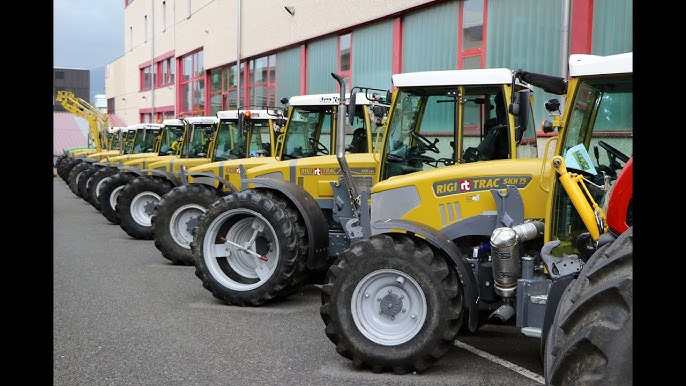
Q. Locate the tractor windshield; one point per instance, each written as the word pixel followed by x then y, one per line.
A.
pixel 309 131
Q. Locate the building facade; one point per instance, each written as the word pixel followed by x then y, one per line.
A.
pixel 196 57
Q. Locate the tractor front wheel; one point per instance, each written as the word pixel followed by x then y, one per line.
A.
pixel 392 303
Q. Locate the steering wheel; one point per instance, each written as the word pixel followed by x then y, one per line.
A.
pixel 613 152
pixel 318 146
pixel 425 143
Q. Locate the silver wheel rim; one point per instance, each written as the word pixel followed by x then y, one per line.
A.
pixel 233 267
pixel 114 195
pixel 388 307
pixel 143 207
pixel 98 186
pixel 182 223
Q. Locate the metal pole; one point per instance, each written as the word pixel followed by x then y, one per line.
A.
pixel 238 54
pixel 152 60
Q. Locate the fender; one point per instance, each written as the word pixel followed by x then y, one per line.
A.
pixel 162 174
pixel 130 169
pixel 440 241
pixel 315 222
pixel 509 212
pixel 209 179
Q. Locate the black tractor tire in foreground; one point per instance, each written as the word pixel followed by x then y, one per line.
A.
pixel 391 303
pixel 96 183
pixel 136 205
pixel 85 180
pixel 175 217
pixel 248 248
pixel 109 192
pixel 75 176
pixel 64 170
pixel 591 339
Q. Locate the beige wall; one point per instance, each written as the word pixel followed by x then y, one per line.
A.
pixel 213 26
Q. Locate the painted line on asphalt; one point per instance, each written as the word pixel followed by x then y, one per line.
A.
pixel 502 362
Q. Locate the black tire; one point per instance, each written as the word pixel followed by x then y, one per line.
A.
pixel 64 170
pixel 175 217
pixel 75 175
pixel 59 160
pixel 591 339
pixel 84 180
pixel 136 204
pixel 96 183
pixel 422 304
pixel 109 192
pixel 235 281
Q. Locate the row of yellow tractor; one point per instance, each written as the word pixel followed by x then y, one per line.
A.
pixel 422 213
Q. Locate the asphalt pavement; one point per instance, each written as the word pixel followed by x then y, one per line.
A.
pixel 124 315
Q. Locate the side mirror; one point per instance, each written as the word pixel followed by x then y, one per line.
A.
pixel 520 109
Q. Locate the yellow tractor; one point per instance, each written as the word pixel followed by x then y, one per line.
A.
pixel 451 250
pixel 293 218
pixel 99 137
pixel 177 212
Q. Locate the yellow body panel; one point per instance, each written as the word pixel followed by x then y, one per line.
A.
pixel 315 174
pixel 444 196
pixel 174 163
pixel 229 170
pixel 144 162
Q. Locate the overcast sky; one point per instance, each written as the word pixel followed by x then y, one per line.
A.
pixel 87 33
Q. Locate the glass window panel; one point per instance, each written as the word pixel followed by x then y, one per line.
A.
pixel 472 29
pixel 345 41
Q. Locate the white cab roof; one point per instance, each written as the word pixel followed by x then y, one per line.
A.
pixel 453 77
pixel 195 120
pixel 581 64
pixel 144 125
pixel 326 99
pixel 254 114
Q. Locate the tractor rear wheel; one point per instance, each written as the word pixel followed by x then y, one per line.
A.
pixel 94 187
pixel 109 192
pixel 64 169
pixel 392 303
pixel 175 217
pixel 246 248
pixel 75 176
pixel 84 181
pixel 591 339
pixel 136 204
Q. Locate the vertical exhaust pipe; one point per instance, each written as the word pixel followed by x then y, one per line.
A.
pixel 340 143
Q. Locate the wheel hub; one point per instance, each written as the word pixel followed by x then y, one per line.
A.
pixel 391 304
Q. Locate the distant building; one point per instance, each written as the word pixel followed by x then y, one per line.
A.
pixel 74 80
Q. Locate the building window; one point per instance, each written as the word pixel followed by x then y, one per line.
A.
pixel 471 53
pixel 345 59
pixel 262 82
pixel 219 85
pixel 165 72
pixel 147 75
pixel 145 31
pixel 59 75
pixel 192 85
